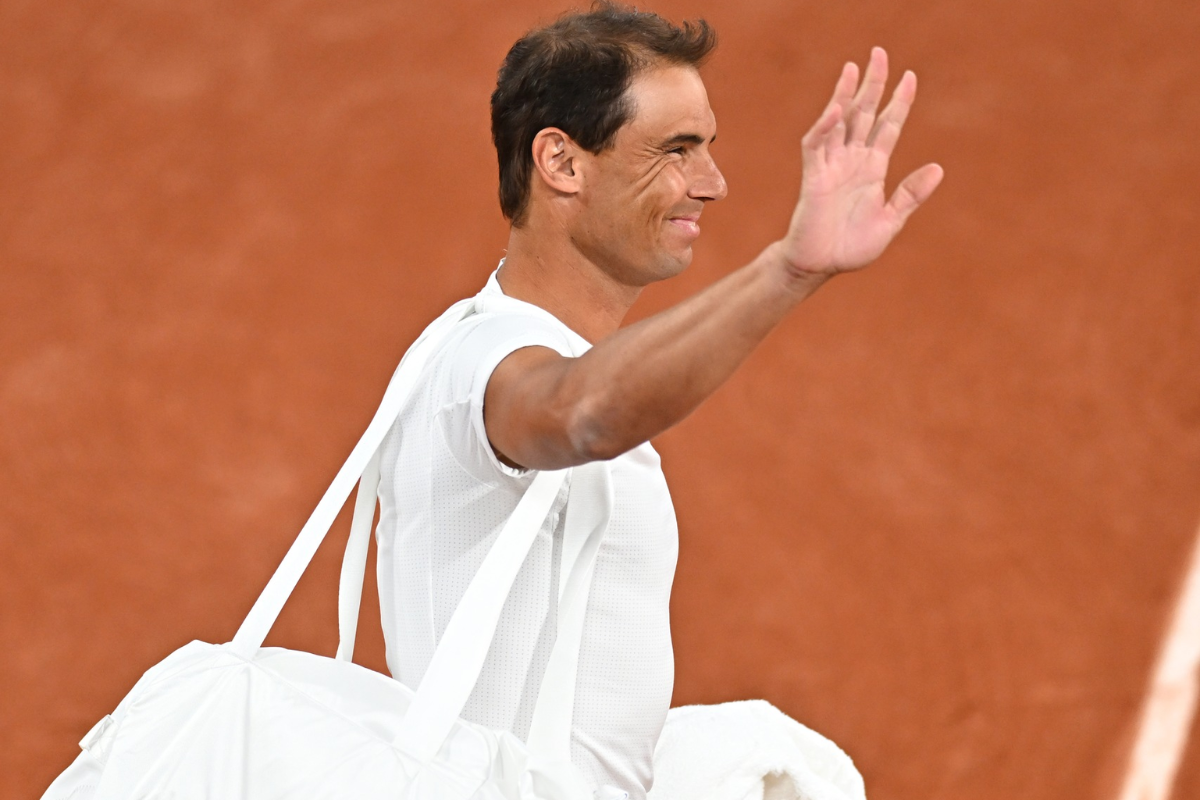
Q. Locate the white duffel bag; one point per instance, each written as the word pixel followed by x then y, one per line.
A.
pixel 239 721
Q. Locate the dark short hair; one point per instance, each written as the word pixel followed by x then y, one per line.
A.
pixel 573 74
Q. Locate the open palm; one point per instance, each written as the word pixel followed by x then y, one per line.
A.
pixel 844 220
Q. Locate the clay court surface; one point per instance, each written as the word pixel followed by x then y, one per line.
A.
pixel 941 516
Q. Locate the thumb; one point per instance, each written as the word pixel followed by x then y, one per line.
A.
pixel 915 190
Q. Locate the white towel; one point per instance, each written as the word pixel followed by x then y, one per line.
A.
pixel 748 750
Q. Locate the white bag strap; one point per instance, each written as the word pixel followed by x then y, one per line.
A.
pixel 465 643
pixel 588 510
pixel 262 616
pixel 458 660
pixel 354 562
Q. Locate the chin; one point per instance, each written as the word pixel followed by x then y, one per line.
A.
pixel 650 265
pixel 676 263
pixel 660 268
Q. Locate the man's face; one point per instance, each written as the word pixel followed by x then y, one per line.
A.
pixel 641 199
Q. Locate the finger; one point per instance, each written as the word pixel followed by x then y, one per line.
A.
pixel 861 117
pixel 831 123
pixel 887 128
pixel 843 90
pixel 915 190
pixel 836 140
pixel 816 141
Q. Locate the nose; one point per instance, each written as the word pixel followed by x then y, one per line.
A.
pixel 708 183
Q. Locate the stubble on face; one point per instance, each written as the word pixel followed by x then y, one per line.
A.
pixel 643 196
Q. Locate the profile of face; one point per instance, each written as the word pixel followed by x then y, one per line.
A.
pixel 637 210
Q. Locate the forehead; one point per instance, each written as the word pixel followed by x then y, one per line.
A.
pixel 669 101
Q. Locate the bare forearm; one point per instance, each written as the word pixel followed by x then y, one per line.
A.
pixel 647 377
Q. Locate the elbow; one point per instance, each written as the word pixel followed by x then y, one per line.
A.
pixel 594 434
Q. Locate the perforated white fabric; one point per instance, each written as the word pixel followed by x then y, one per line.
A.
pixel 444 496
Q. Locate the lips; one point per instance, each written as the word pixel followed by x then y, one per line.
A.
pixel 689 224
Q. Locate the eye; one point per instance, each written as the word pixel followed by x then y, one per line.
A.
pixel 677 150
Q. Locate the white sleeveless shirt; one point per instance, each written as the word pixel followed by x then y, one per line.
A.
pixel 443 498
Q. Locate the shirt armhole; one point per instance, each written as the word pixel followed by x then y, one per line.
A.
pixel 483 374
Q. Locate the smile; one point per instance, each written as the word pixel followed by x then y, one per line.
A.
pixel 689 225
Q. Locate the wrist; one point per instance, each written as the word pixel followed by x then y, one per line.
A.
pixel 796 279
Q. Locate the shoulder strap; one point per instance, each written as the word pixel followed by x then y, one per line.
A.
pixel 262 616
pixel 354 562
pixel 459 657
pixel 588 509
pixel 458 660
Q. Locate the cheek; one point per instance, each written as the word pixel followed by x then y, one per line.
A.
pixel 662 195
pixel 630 208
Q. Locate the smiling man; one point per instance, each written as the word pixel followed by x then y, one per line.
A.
pixel 604 135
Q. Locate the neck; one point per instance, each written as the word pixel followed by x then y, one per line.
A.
pixel 548 271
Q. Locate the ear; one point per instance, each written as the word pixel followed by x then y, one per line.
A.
pixel 556 160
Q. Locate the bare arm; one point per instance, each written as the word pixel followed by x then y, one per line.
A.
pixel 544 411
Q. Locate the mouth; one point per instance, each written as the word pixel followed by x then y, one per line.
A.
pixel 688 224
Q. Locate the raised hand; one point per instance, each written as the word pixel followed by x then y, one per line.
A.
pixel 843 220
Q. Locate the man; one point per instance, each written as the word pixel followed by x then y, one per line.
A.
pixel 604 131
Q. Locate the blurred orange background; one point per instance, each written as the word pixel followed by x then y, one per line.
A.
pixel 940 516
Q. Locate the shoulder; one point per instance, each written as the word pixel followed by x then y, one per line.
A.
pixel 457 376
pixel 490 330
pixel 480 342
